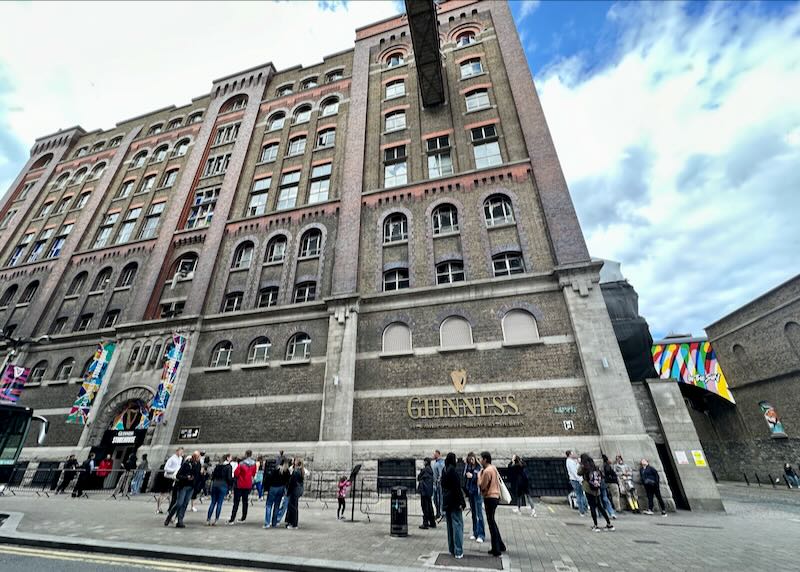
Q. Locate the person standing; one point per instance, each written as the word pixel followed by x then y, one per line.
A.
pixel 70 466
pixel 341 497
pixel 294 491
pixel 425 489
pixel 453 506
pixel 138 476
pixel 129 465
pixel 519 478
pixel 84 477
pixel 592 482
pixel 185 481
pixel 612 485
pixel 278 481
pixel 651 482
pixel 104 470
pixel 243 482
pixel 472 470
pixel 438 469
pixel 626 485
pixel 258 480
pixel 489 483
pixel 576 481
pixel 221 481
pixel 171 468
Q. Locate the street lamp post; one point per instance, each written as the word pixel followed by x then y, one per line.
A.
pixel 15 343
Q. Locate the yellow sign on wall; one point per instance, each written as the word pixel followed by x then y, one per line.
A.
pixel 699 458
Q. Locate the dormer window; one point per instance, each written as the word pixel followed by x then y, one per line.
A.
pixel 309 83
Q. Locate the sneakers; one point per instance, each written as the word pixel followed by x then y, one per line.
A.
pixel 208 523
pixel 596 529
pixel 479 540
pixel 214 523
pixel 533 512
pixel 459 556
pixel 180 525
pixel 266 526
pixel 610 527
pixel 472 537
pixel 582 513
pixel 614 516
pixel 231 522
pixel 194 509
pixel 664 513
pixel 647 512
pixel 290 527
pixel 515 510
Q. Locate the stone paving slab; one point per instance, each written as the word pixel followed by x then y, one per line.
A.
pixel 760 526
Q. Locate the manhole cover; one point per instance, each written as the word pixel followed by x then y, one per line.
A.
pixel 470 561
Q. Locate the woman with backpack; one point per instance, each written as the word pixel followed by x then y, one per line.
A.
pixel 650 480
pixel 519 480
pixel 221 482
pixel 592 482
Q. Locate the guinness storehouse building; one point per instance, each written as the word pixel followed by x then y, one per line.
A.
pixel 362 260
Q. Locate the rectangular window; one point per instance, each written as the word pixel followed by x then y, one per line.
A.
pixel 471 67
pixel 326 138
pixel 395 168
pixel 287 196
pixel 396 121
pixel 320 184
pixel 37 250
pixel 7 219
pixel 395 89
pixel 82 200
pixel 126 230
pixel 297 146
pixel 58 327
pixel 169 178
pixel 110 319
pixel 486 148
pixel 258 204
pixel 477 99
pixel 147 184
pixel 173 309
pixel 305 292
pixel 217 165
pixel 227 134
pixel 440 164
pixel 84 322
pixel 45 210
pixel 105 230
pixel 269 153
pixel 151 221
pixel 202 210
pixel 268 297
pixel 16 256
pixel 124 190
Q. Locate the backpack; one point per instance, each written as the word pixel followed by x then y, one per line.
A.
pixel 595 479
pixel 219 473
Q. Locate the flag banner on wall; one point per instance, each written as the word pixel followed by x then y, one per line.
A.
pixel 773 421
pixel 12 382
pixel 694 363
pixel 91 384
pixel 172 361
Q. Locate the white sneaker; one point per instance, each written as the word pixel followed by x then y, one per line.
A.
pixel 479 540
pixel 472 537
pixel 533 512
pixel 194 509
pixel 514 510
pixel 459 557
pixel 614 516
pixel 647 512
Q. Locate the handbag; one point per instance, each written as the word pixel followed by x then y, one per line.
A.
pixel 505 496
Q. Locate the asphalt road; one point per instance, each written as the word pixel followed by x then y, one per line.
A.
pixel 25 559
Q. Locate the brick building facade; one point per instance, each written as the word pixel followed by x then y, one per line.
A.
pixel 366 254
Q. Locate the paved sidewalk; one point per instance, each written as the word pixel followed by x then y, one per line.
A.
pixel 761 526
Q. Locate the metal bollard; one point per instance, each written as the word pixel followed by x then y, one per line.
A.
pixel 758 480
pixel 746 479
pixel 771 480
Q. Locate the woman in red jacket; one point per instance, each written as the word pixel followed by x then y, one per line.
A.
pixel 243 482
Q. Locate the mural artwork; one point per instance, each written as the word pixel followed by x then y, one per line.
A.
pixel 694 363
pixel 91 384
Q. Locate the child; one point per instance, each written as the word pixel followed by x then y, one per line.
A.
pixel 341 495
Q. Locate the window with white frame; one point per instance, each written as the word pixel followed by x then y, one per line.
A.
pixel 169 178
pixel 102 280
pixel 326 138
pixel 98 146
pixel 221 354
pixel 243 256
pixel 395 121
pixel 217 165
pixel 126 229
pixel 455 332
pixel 305 292
pixel 485 147
pixel 299 347
pixel 284 90
pixel 311 243
pixel 60 183
pixel 110 319
pixel 519 327
pixel 19 250
pixel 29 293
pixel 172 309
pixel 115 141
pixel 127 276
pixel 395 169
pixel 445 219
pixel 82 152
pixel 195 118
pixel 7 218
pixel 28 186
pixel 38 247
pixel 395 60
pixel 84 323
pixel 302 115
pixel 396 279
pixel 309 83
pixel 79 176
pixel 81 201
pixel 77 284
pixel 156 129
pixel 125 189
pixel 465 39
pixel 235 104
pixel 202 210
pixel 395 228
pixel 470 67
pixel 233 302
pixel 259 350
pixel 227 134
pixel 449 272
pixel 104 232
pixel 181 148
pixel 64 370
pixel 59 325
pixel 477 99
pixel 329 107
pixel 38 372
pixel 297 146
pixel 138 160
pixel 396 338
pixel 59 240
pixel 98 171
pixel 269 153
pixel 259 196
pixel 508 263
pixel 175 123
pixel 333 76
pixel 185 266
pixel 287 193
pixel 45 210
pixel 62 205
pixel 268 297
pixel 497 210
pixel 395 88
pixel 277 121
pixel 148 184
pixel 320 183
pixel 276 249
pixel 151 221
pixel 440 164
pixel 159 154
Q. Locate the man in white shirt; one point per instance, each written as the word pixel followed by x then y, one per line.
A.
pixel 171 470
pixel 575 480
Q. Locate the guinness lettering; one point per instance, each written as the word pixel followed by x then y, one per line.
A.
pixel 455 407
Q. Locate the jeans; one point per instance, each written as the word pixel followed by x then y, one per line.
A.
pixel 596 504
pixel 476 510
pixel 259 489
pixel 455 532
pixel 239 495
pixel 579 496
pixel 136 485
pixel 793 481
pixel 181 502
pixel 274 497
pixel 497 541
pixel 606 501
pixel 437 499
pixel 654 490
pixel 284 506
pixel 428 519
pixel 293 511
pixel 217 497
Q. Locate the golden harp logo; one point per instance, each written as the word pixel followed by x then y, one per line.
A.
pixel 459 378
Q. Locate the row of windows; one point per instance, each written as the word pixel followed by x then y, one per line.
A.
pixel 157 128
pixel 39 249
pixel 268 297
pixel 125 233
pixel 99 146
pixel 452 271
pixel 160 154
pixel 25 298
pixel 310 246
pixel 302 114
pixel 297 348
pixel 396 59
pixel 309 83
pixel 80 176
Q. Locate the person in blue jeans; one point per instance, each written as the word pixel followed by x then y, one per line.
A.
pixel 438 468
pixel 278 481
pixel 221 483
pixel 453 507
pixel 471 471
pixel 576 481
pixel 604 496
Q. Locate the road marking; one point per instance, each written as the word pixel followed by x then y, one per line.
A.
pixel 550 508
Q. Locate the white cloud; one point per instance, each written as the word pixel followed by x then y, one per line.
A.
pixel 527 7
pixel 97 63
pixel 682 155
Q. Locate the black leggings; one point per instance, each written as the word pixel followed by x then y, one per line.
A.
pixel 654 490
pixel 596 504
pixel 340 509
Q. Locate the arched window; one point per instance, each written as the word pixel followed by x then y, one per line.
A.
pixel 234 104
pixel 259 350
pixel 77 284
pixel 61 182
pixel 134 355
pixel 79 176
pixel 185 266
pixel 175 123
pixel 87 364
pixel 144 355
pixel 221 355
pixel 233 302
pixel 309 83
pixel 268 297
pixel 180 148
pixel 497 210
pixel 102 280
pixel 127 275
pixel 98 146
pixel 455 332
pixel 277 121
pixel 508 263
pixel 284 90
pixel 195 118
pixel 334 75
pixel 243 255
pixel 115 141
pixel 138 160
pixel 302 114
pixel 159 154
pixel 82 152
pixel 29 292
pixel 394 60
pixel 519 327
pixel 465 39
pixel 395 228
pixel 792 332
pixel 42 162
pixel 299 347
pixel 156 129
pixel 98 171
pixel 8 295
pixel 330 106
pixel 395 121
pixel 395 88
pixel 449 272
pixel 396 279
pixel 38 372
pixel 445 219
pixel 65 368
pixel 311 243
pixel 305 292
pixel 110 319
pixel 477 99
pixel 155 355
pixel 397 338
pixel 471 67
pixel 276 249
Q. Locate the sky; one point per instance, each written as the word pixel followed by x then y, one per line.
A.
pixel 677 124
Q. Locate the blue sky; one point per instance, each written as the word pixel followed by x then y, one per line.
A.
pixel 677 124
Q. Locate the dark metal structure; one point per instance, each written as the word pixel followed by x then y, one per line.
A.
pixel 427 56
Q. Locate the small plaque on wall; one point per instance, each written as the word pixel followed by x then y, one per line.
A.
pixel 188 433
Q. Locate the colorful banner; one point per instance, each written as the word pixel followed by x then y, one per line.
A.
pixel 694 363
pixel 172 361
pixel 12 382
pixel 91 384
pixel 772 419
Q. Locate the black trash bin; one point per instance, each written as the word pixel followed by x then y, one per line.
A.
pixel 399 512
